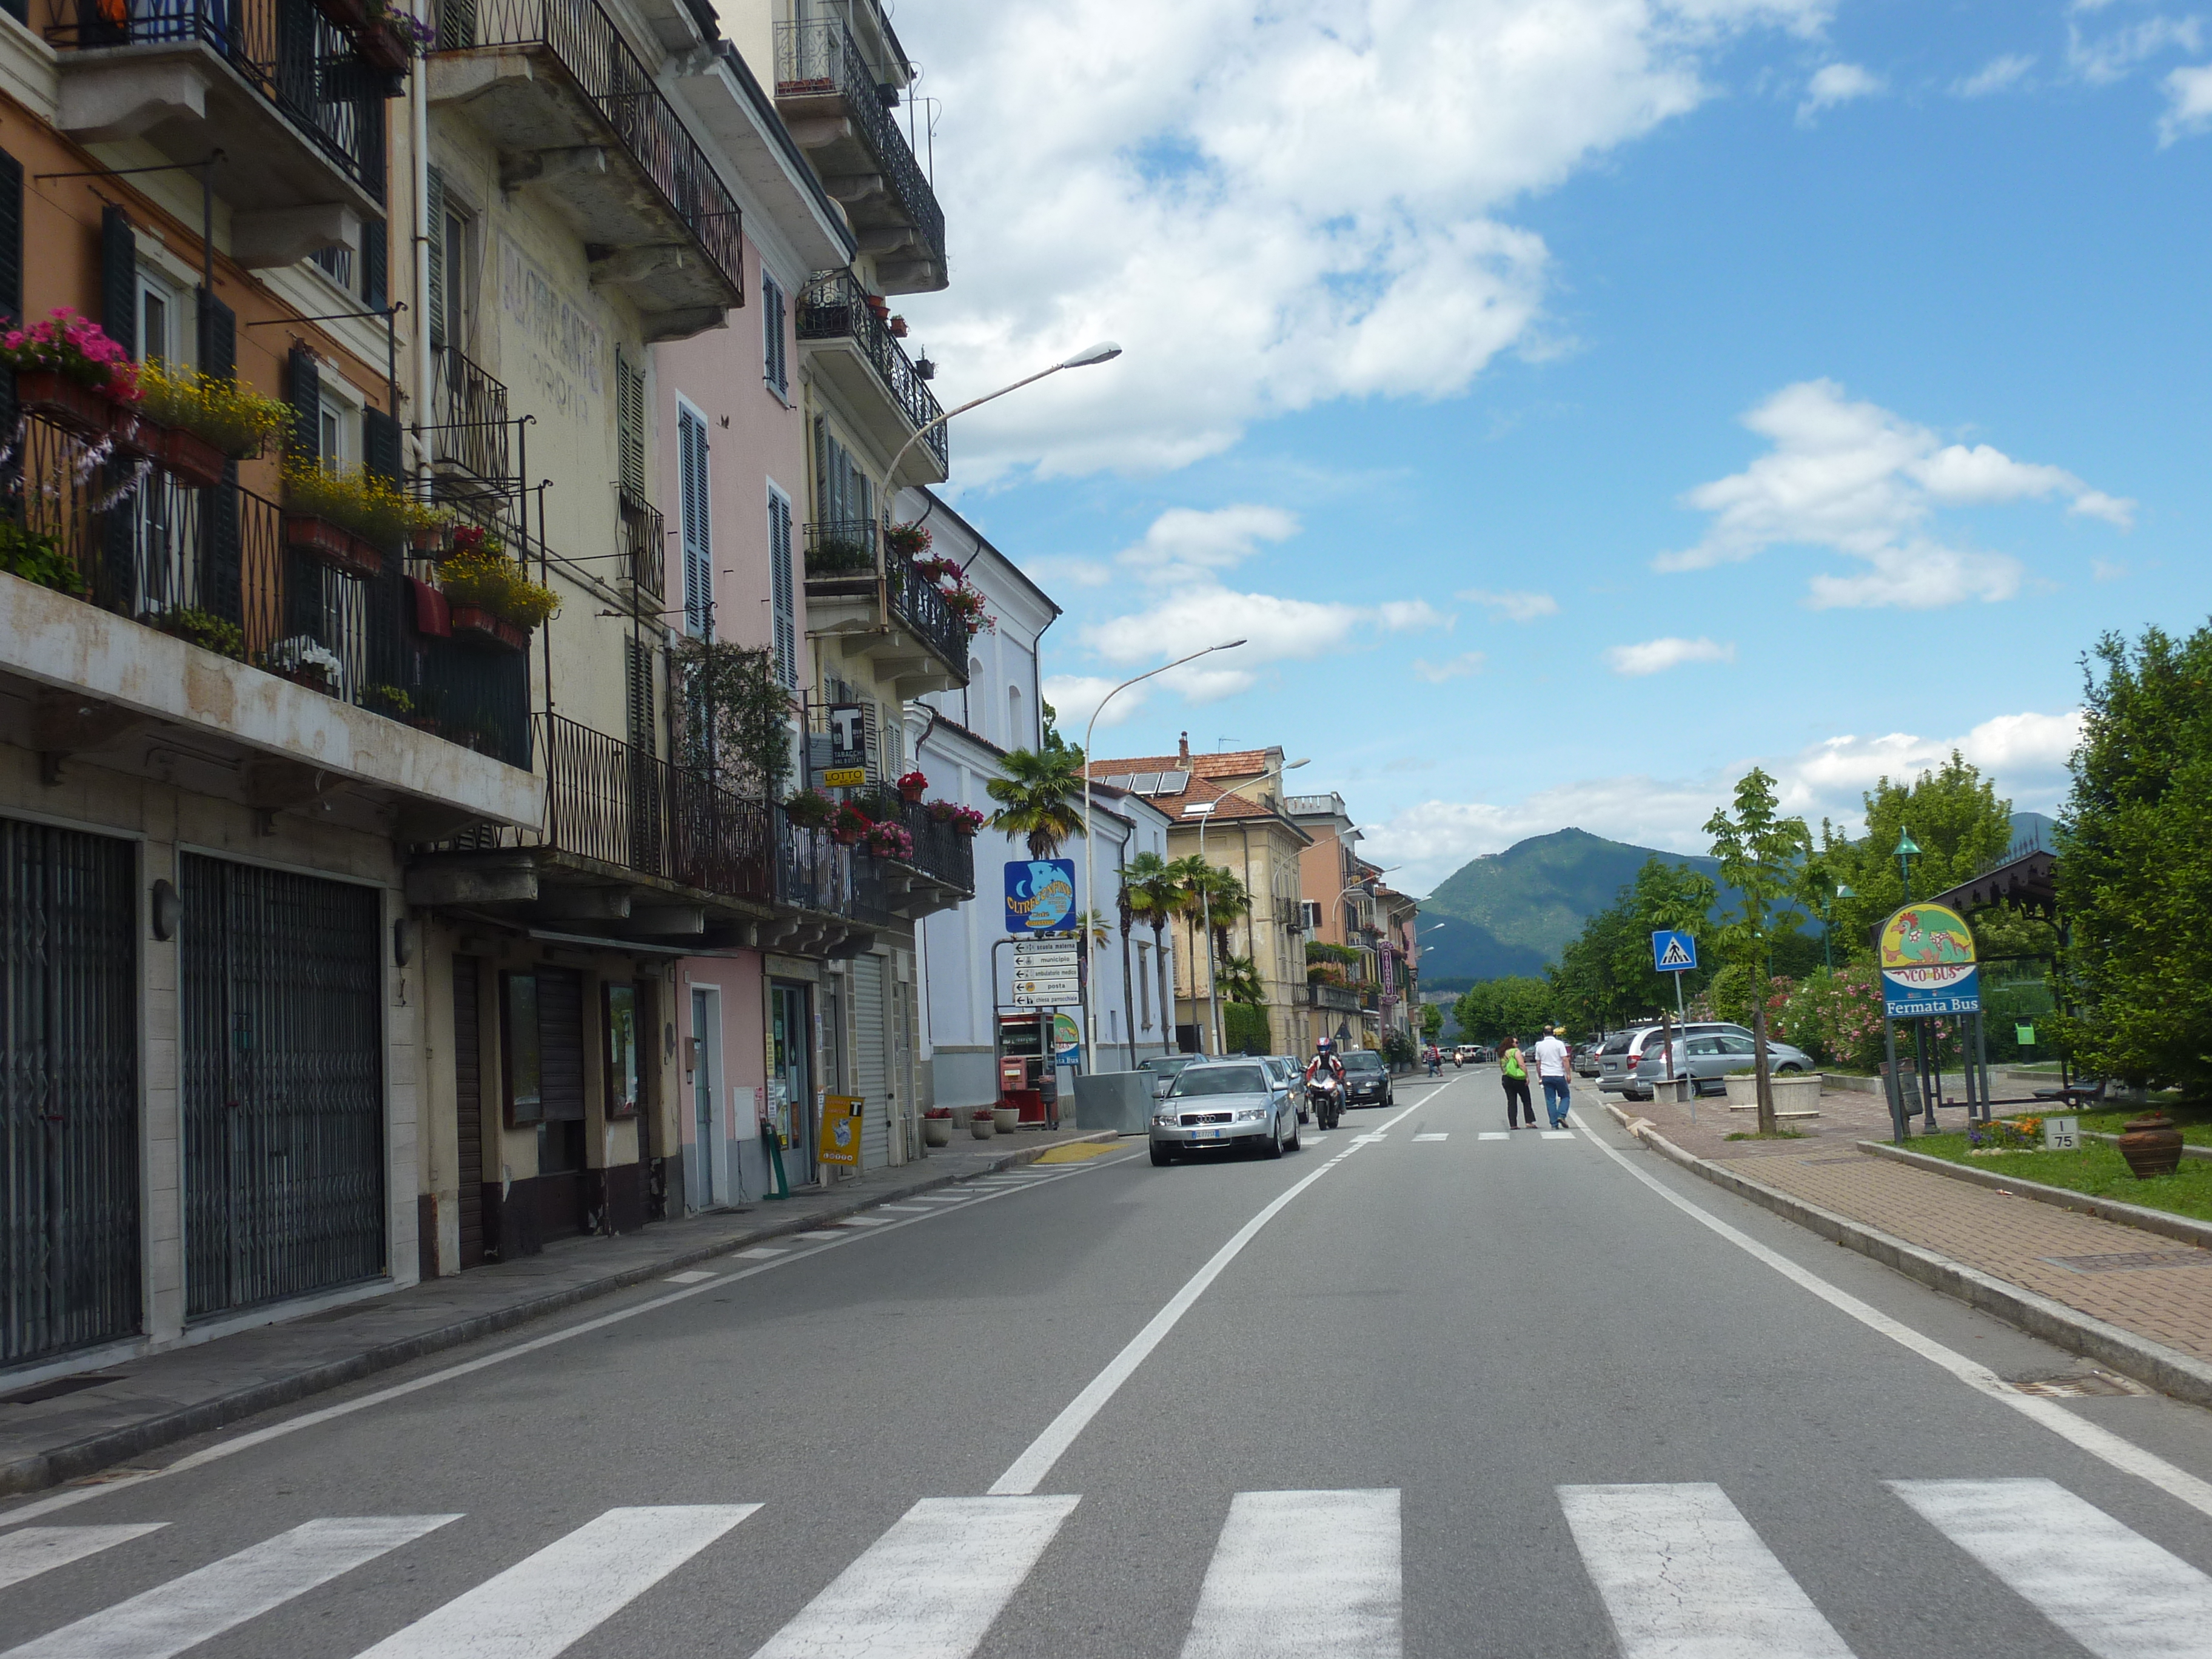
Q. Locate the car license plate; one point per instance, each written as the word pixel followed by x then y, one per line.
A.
pixel 1217 1134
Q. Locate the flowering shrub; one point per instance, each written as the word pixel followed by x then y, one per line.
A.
pixel 2016 1134
pixel 491 582
pixel 890 841
pixel 372 507
pixel 911 539
pixel 74 347
pixel 913 782
pixel 1837 1017
pixel 236 420
pixel 302 655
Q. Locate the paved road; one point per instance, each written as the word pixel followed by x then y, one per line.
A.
pixel 1407 1390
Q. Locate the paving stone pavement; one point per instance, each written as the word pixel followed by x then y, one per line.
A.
pixel 2012 1238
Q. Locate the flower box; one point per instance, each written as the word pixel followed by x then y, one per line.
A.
pixel 384 46
pixel 134 435
pixel 479 626
pixel 347 14
pixel 1796 1094
pixel 324 543
pixel 75 407
pixel 190 458
pixel 1004 1119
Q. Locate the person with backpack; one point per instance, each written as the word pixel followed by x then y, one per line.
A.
pixel 1513 1073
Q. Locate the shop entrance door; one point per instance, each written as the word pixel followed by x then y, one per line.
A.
pixel 709 1183
pixel 791 1079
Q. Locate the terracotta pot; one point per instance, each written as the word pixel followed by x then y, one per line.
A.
pixel 479 626
pixel 384 47
pixel 911 794
pixel 327 544
pixel 133 435
pixel 937 1132
pixel 845 838
pixel 191 459
pixel 75 408
pixel 964 830
pixel 2151 1144
pixel 981 1127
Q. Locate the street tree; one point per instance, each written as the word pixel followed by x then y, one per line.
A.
pixel 1958 820
pixel 1432 1021
pixel 1760 853
pixel 1041 798
pixel 1516 1004
pixel 1153 894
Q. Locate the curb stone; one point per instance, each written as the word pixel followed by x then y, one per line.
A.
pixel 2169 1371
pixel 51 1468
pixel 2162 1222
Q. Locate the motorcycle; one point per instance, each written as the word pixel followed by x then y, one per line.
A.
pixel 1327 1095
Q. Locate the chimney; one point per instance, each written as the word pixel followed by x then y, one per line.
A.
pixel 1183 752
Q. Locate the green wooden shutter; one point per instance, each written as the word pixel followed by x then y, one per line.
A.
pixel 303 390
pixel 375 264
pixel 435 299
pixel 118 279
pixel 379 445
pixel 629 428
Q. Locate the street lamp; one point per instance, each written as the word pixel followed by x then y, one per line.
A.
pixel 1205 895
pixel 1089 853
pixel 1907 850
pixel 1828 926
pixel 1104 352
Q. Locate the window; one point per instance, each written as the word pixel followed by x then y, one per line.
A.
pixel 162 318
pixel 621 1050
pixel 845 494
pixel 697 529
pixel 339 428
pixel 781 595
pixel 776 368
pixel 521 1050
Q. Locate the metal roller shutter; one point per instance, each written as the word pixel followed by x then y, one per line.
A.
pixel 869 1072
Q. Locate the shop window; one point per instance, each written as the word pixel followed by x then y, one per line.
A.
pixel 621 1050
pixel 522 1050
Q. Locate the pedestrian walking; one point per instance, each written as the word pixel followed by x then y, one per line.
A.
pixel 1515 1075
pixel 1552 1059
pixel 1436 1061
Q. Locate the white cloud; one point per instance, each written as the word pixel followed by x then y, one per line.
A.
pixel 1998 75
pixel 1656 656
pixel 2024 754
pixel 1521 607
pixel 1054 570
pixel 1185 545
pixel 2189 104
pixel 1436 673
pixel 1838 83
pixel 2109 58
pixel 1270 207
pixel 2107 570
pixel 1856 479
pixel 1075 697
pixel 1274 628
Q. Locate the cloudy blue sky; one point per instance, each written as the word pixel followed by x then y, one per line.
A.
pixel 1577 401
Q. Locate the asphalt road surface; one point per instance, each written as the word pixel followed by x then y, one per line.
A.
pixel 1419 1388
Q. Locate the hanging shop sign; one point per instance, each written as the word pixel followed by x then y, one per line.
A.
pixel 1928 963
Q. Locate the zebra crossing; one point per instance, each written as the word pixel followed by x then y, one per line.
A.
pixel 1677 1569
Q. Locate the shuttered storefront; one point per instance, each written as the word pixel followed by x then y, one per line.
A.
pixel 68 1090
pixel 870 1076
pixel 284 1165
pixel 468 1107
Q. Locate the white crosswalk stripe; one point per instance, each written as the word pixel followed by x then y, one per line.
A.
pixel 1493 1134
pixel 930 1587
pixel 545 1603
pixel 1297 1574
pixel 1683 1576
pixel 1559 1134
pixel 2112 1589
pixel 1432 1137
pixel 224 1595
pixel 34 1550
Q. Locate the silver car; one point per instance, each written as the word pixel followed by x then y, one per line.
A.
pixel 1293 1078
pixel 1621 1057
pixel 1712 1055
pixel 1224 1103
pixel 1162 1069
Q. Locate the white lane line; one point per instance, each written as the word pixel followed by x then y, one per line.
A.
pixel 547 1602
pixel 1445 1136
pixel 1027 1471
pixel 930 1587
pixel 2123 1455
pixel 942 1198
pixel 34 1550
pixel 902 1209
pixel 224 1595
pixel 695 1276
pixel 2108 1587
pixel 1559 1134
pixel 1302 1575
pixel 761 1252
pixel 1684 1576
pixel 819 1232
pixel 1493 1134
pixel 862 1221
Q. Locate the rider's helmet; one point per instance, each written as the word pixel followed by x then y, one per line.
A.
pixel 1322 1045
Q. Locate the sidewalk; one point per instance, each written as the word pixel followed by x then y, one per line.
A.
pixel 141 1404
pixel 2138 1302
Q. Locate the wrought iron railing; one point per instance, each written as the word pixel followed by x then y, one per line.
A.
pixel 922 607
pixel 839 548
pixel 470 432
pixel 610 802
pixel 844 556
pixel 645 541
pixel 584 40
pixel 834 307
pixel 2039 838
pixel 283 49
pixel 211 566
pixel 939 850
pixel 1336 998
pixel 820 55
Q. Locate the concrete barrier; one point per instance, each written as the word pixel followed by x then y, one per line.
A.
pixel 1120 1101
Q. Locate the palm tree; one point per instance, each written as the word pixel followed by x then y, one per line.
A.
pixel 1227 899
pixel 1150 889
pixel 1039 799
pixel 1240 981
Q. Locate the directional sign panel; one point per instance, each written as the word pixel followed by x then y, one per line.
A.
pixel 1674 951
pixel 1038 952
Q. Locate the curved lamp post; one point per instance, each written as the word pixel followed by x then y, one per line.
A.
pixel 1104 352
pixel 1089 853
pixel 1205 899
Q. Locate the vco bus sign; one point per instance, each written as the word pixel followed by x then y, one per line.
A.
pixel 1928 965
pixel 1039 894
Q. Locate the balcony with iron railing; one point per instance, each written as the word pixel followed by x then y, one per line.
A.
pixel 578 121
pixel 471 437
pixel 840 112
pixel 294 110
pixel 889 612
pixel 212 566
pixel 848 338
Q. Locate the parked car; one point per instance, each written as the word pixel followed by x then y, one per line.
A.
pixel 1293 1073
pixel 1586 1059
pixel 1712 1055
pixel 1216 1103
pixel 1623 1052
pixel 1366 1078
pixel 1164 1068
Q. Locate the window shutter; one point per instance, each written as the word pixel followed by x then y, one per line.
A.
pixel 303 390
pixel 873 739
pixel 118 280
pixel 375 271
pixel 783 600
pixel 435 200
pixel 379 445
pixel 697 534
pixel 820 468
pixel 637 696
pixel 220 579
pixel 629 428
pixel 772 354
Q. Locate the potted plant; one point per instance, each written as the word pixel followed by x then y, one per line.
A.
pixel 68 370
pixel 910 787
pixel 306 661
pixel 848 823
pixel 839 555
pixel 810 809
pixel 937 1126
pixel 1006 1119
pixel 492 599
pixel 345 518
pixel 388 38
pixel 898 327
pixel 37 557
pixel 206 421
pixel 887 840
pixel 966 821
pixel 911 540
pixel 982 1124
pixel 206 630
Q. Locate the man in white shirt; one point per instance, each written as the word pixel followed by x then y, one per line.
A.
pixel 1552 1059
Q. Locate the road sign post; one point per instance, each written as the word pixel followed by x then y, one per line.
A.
pixel 1675 951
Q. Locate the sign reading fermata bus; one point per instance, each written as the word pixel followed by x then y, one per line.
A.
pixel 1928 963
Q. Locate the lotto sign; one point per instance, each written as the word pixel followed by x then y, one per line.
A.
pixel 1674 953
pixel 1928 965
pixel 840 1131
pixel 1039 894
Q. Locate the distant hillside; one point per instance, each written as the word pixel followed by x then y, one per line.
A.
pixel 1514 911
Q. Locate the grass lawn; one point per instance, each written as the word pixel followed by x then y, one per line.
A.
pixel 2194 1120
pixel 2098 1170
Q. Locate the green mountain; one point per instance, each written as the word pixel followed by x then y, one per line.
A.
pixel 1514 911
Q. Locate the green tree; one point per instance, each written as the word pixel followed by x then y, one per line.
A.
pixel 1605 975
pixel 1958 822
pixel 1153 895
pixel 1516 1004
pixel 1245 1028
pixel 734 717
pixel 1041 798
pixel 1760 854
pixel 1432 1021
pixel 2135 863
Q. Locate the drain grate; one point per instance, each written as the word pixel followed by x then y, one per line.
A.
pixel 2096 1384
pixel 58 1387
pixel 2122 1261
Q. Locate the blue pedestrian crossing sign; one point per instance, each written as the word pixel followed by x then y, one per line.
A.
pixel 1674 953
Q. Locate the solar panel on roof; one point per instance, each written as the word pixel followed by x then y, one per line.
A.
pixel 1173 783
pixel 1144 782
pixel 1120 781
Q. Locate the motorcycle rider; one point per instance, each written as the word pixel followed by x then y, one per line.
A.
pixel 1325 1059
pixel 1325 1065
